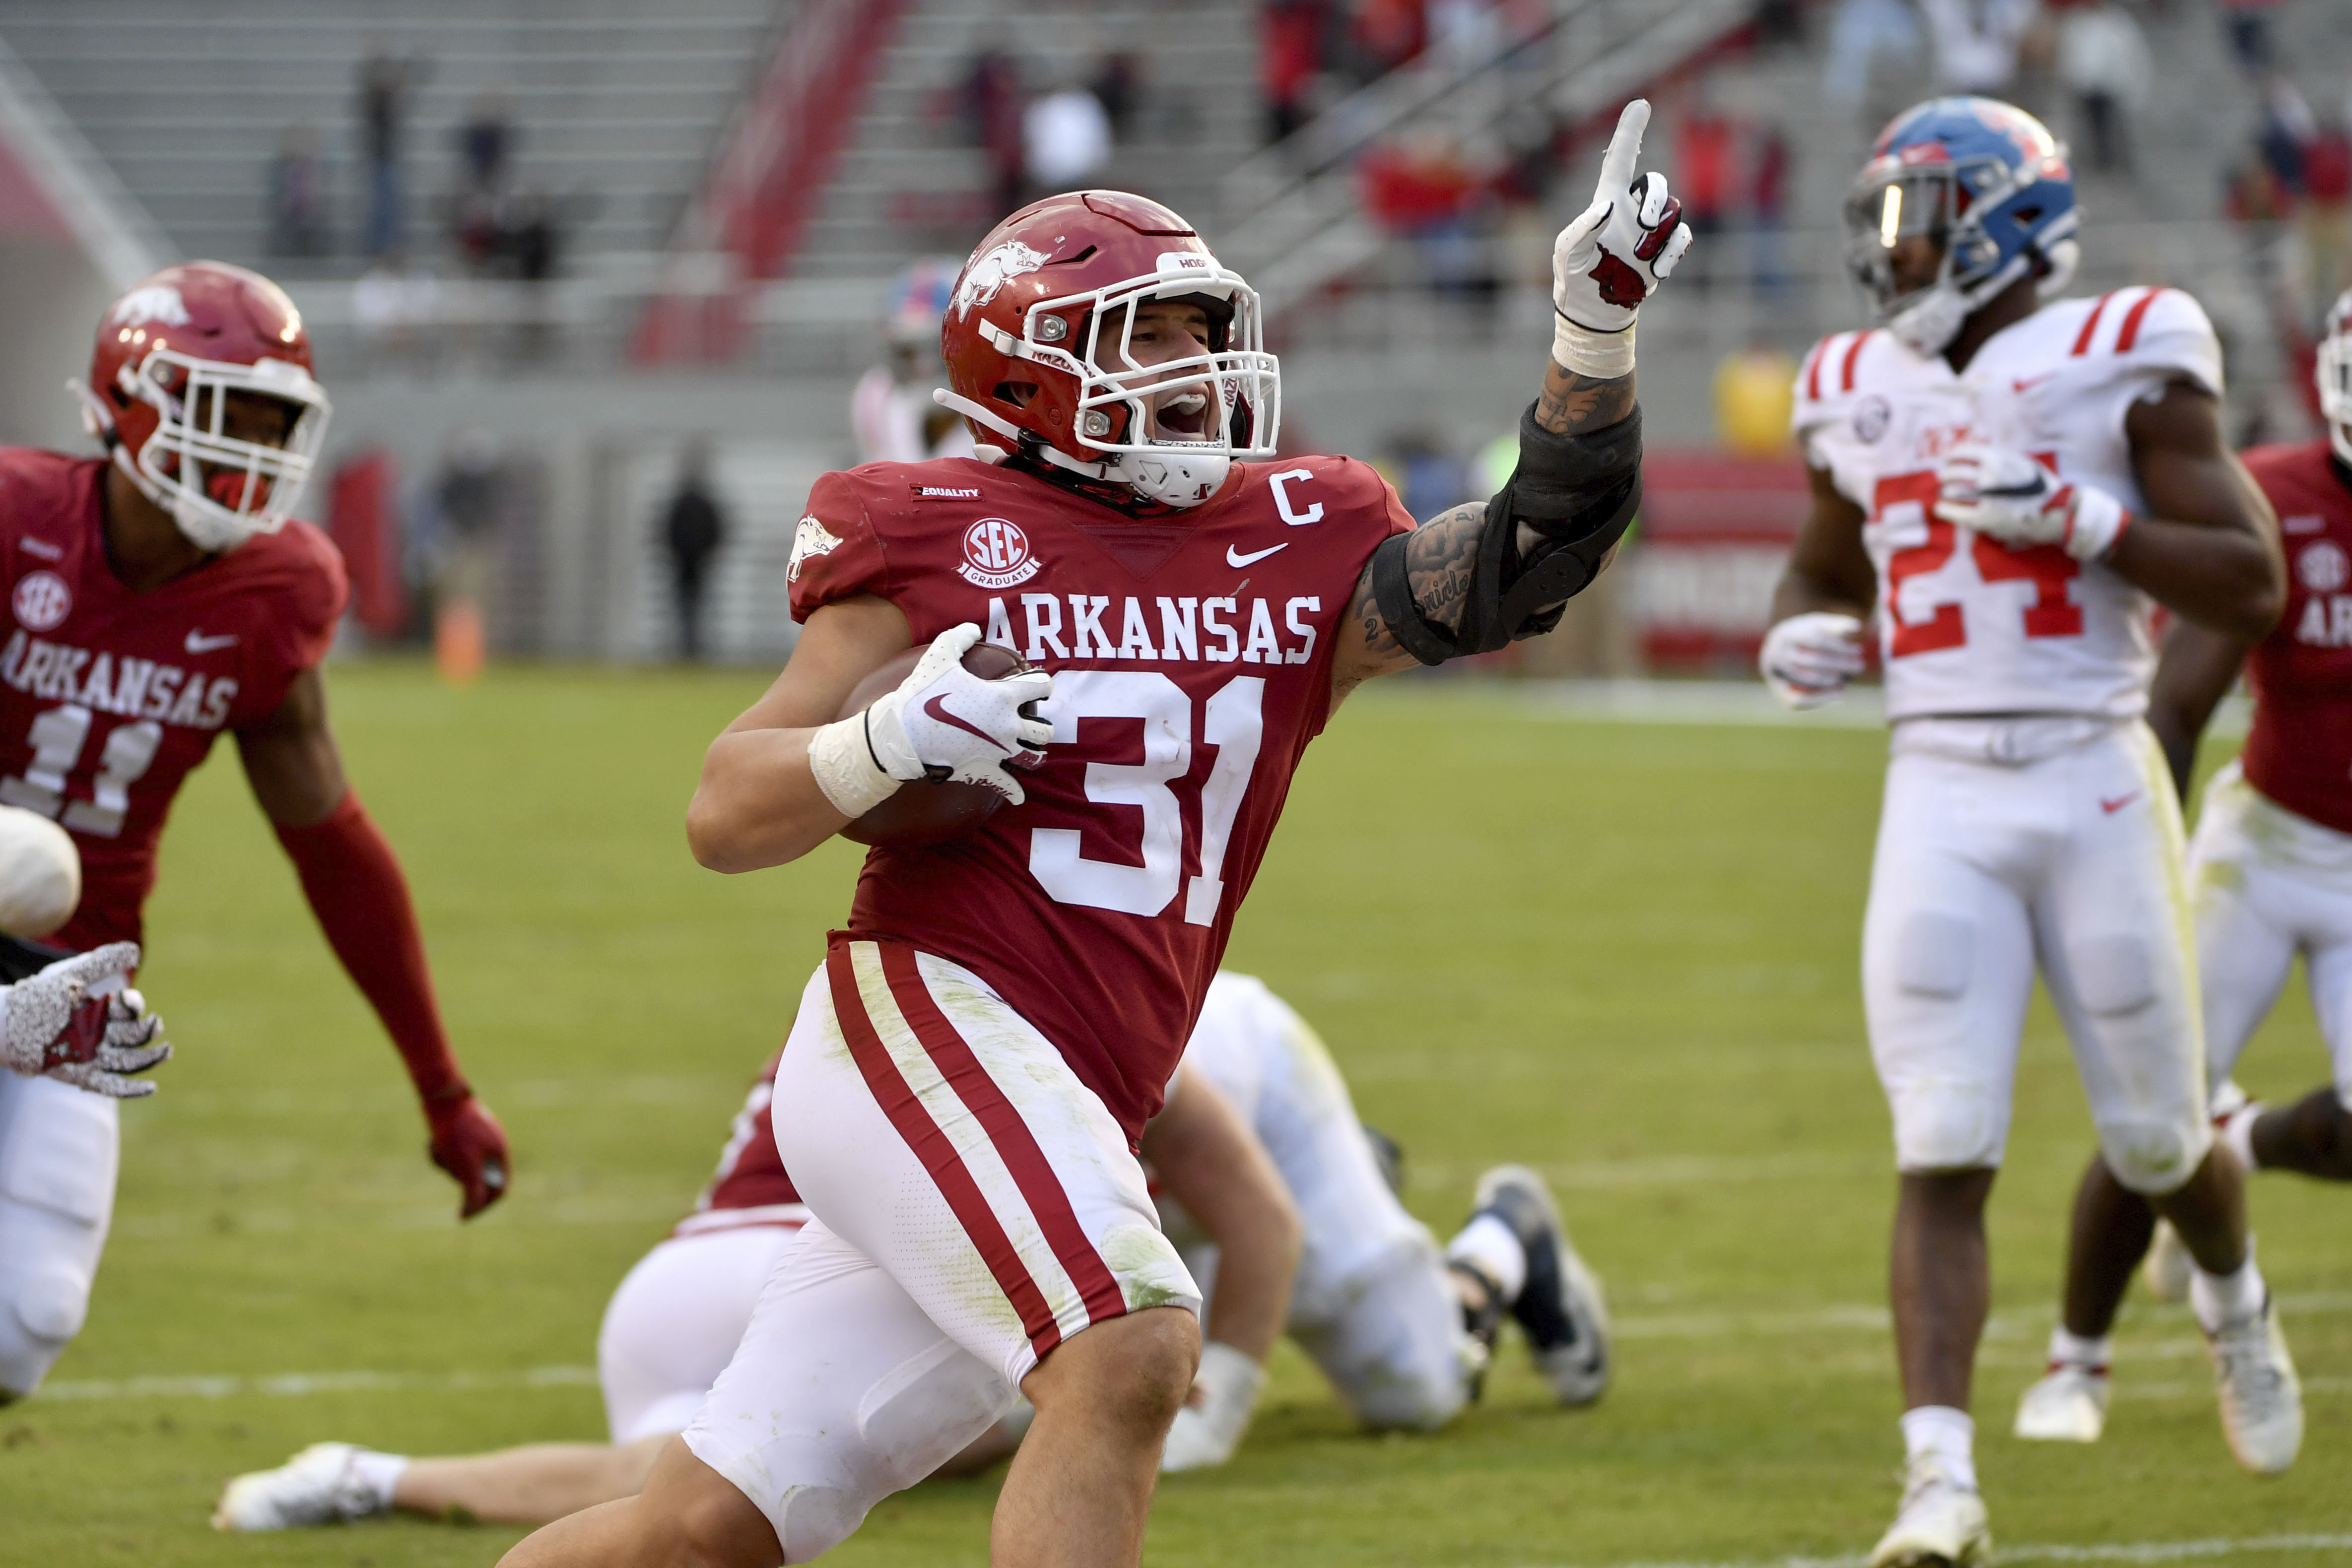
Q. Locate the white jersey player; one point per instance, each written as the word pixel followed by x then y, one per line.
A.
pixel 2004 486
pixel 1271 1189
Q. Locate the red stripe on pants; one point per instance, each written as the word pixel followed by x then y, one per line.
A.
pixel 908 1115
pixel 1015 1144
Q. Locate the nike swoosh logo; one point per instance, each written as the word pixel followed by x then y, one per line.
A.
pixel 2030 383
pixel 2118 803
pixel 200 644
pixel 1234 557
pixel 938 708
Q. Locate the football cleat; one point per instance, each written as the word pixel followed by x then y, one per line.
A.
pixel 317 1486
pixel 2069 1405
pixel 2262 1399
pixel 1941 1524
pixel 1560 1307
pixel 1389 1155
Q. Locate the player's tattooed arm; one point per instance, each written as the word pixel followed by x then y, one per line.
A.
pixel 1442 555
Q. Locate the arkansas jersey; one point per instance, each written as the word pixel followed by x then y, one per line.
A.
pixel 750 1186
pixel 2299 751
pixel 109 698
pixel 1191 664
pixel 1967 625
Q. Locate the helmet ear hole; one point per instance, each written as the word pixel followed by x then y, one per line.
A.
pixel 1017 393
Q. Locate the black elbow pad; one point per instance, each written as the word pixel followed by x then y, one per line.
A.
pixel 1577 493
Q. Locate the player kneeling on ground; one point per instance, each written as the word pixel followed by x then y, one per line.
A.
pixel 961 1093
pixel 163 595
pixel 1273 1191
pixel 2271 872
pixel 2009 487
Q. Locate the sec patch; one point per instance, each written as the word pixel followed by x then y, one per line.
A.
pixel 42 601
pixel 996 555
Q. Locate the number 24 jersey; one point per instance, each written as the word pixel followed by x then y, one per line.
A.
pixel 1967 625
pixel 109 698
pixel 1191 664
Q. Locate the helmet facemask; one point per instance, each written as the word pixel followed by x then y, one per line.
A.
pixel 1090 338
pixel 219 488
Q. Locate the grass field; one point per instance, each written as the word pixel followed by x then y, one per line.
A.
pixel 1626 953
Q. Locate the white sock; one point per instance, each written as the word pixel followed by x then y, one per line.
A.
pixel 2074 1350
pixel 379 1473
pixel 2220 1299
pixel 1941 1433
pixel 1488 1246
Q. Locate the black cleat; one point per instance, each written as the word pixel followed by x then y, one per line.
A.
pixel 1560 1307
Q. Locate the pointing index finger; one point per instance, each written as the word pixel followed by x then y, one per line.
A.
pixel 1624 153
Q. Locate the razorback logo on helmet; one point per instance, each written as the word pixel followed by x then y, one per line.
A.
pixel 42 601
pixel 809 541
pixel 983 279
pixel 996 554
pixel 153 302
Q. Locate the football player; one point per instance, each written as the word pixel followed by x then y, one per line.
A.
pixel 160 596
pixel 1257 1131
pixel 2006 485
pixel 961 1094
pixel 2270 874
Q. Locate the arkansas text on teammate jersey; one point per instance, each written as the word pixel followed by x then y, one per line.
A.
pixel 1987 629
pixel 2299 752
pixel 108 698
pixel 1192 660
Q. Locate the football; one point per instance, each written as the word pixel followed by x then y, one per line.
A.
pixel 40 874
pixel 924 813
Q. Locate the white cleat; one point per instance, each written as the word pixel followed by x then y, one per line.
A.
pixel 2261 1400
pixel 317 1486
pixel 2068 1405
pixel 2168 1265
pixel 1941 1524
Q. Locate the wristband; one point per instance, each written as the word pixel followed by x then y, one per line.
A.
pixel 2096 524
pixel 1600 356
pixel 845 771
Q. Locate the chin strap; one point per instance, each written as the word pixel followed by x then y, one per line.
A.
pixel 1025 443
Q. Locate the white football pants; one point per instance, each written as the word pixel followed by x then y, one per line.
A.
pixel 1372 1306
pixel 674 1322
pixel 2270 884
pixel 975 1206
pixel 59 1147
pixel 2008 843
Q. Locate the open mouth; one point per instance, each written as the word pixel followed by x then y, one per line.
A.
pixel 1184 415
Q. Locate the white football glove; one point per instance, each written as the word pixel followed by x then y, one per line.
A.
pixel 2007 495
pixel 1808 659
pixel 75 1021
pixel 1606 263
pixel 1207 1433
pixel 942 723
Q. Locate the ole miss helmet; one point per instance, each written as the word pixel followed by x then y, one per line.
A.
pixel 1983 180
pixel 171 354
pixel 1037 341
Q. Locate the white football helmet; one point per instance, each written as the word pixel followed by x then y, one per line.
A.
pixel 2336 376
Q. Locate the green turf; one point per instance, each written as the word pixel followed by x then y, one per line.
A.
pixel 1626 953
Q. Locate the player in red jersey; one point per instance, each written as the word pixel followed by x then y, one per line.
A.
pixel 159 597
pixel 2270 874
pixel 960 1095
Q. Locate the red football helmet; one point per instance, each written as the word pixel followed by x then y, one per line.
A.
pixel 169 354
pixel 1047 301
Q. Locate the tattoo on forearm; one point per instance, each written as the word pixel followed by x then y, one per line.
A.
pixel 1440 562
pixel 1571 403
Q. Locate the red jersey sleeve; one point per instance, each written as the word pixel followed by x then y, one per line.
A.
pixel 837 551
pixel 318 593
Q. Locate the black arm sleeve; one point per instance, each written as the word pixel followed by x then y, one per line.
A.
pixel 1577 494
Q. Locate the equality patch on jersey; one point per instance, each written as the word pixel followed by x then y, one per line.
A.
pixel 1872 418
pixel 810 540
pixel 987 276
pixel 2322 567
pixel 996 554
pixel 943 492
pixel 42 601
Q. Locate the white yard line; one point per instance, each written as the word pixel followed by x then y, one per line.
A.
pixel 295 1383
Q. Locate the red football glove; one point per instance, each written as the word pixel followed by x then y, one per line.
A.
pixel 469 1143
